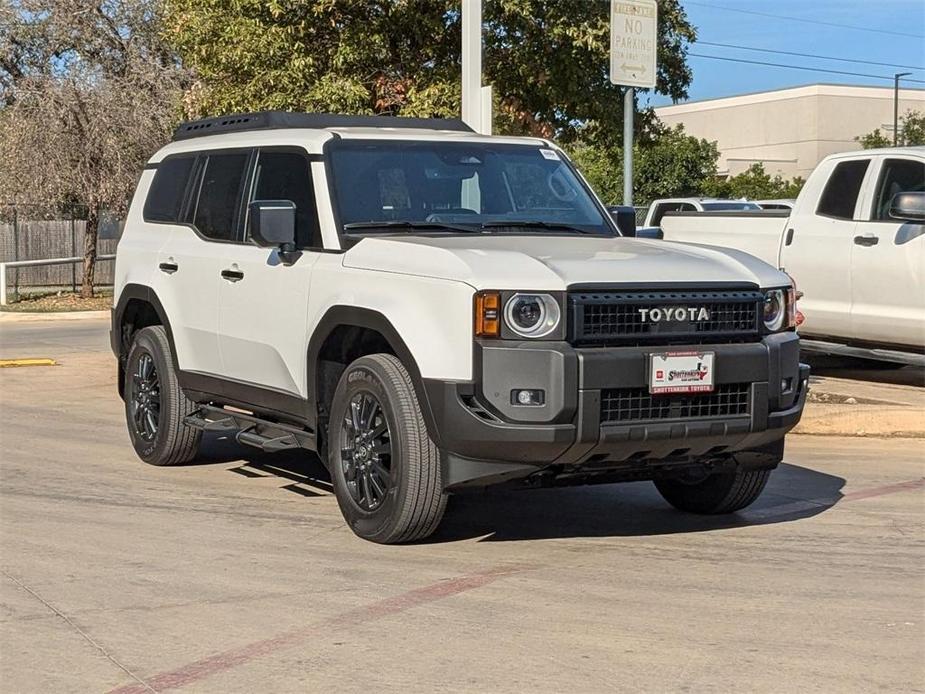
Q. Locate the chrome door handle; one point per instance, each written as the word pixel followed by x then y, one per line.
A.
pixel 232 275
pixel 169 268
pixel 867 240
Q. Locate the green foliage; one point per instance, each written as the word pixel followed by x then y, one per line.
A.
pixel 547 60
pixel 911 133
pixel 755 184
pixel 670 163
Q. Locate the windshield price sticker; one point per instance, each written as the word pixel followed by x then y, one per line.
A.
pixel 681 372
pixel 550 154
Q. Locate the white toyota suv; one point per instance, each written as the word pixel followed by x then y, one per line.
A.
pixel 433 310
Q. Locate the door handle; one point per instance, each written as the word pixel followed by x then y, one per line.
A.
pixel 232 275
pixel 169 268
pixel 789 238
pixel 867 240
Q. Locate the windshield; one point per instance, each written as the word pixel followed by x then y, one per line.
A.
pixel 719 206
pixel 457 188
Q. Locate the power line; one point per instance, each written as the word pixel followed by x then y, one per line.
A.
pixel 806 55
pixel 799 67
pixel 807 21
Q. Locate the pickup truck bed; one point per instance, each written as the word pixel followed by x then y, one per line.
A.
pixel 758 233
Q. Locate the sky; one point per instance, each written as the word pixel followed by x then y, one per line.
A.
pixel 879 31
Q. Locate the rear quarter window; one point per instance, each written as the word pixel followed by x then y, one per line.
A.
pixel 840 195
pixel 165 197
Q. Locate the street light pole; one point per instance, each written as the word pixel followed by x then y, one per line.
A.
pixel 896 105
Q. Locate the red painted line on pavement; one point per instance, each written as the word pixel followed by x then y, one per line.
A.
pixel 200 669
pixel 887 489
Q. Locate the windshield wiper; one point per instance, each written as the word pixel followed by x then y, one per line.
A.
pixel 536 224
pixel 408 224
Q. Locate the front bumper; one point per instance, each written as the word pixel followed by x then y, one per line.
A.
pixel 486 440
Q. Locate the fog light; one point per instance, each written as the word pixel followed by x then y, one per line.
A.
pixel 528 397
pixel 786 385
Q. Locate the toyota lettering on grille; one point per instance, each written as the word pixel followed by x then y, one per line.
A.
pixel 674 313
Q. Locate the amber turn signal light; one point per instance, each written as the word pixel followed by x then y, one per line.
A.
pixel 488 314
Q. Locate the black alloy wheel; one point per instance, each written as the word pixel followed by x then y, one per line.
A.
pixel 366 451
pixel 146 398
pixel 155 405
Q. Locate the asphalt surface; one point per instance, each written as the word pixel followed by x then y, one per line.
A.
pixel 238 575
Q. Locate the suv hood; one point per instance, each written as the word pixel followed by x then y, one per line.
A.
pixel 552 263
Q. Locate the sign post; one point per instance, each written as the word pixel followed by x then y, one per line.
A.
pixel 633 49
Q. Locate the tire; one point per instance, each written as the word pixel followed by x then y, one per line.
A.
pixel 171 442
pixel 388 482
pixel 721 492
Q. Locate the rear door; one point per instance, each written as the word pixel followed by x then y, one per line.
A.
pixel 264 303
pixel 888 259
pixel 194 257
pixel 818 246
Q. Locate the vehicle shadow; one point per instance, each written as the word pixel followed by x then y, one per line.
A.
pixel 610 510
pixel 303 469
pixel 626 510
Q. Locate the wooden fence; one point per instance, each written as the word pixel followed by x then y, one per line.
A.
pixel 22 238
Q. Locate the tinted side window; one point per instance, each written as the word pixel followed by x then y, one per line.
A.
pixel 216 212
pixel 165 198
pixel 288 176
pixel 660 211
pixel 841 191
pixel 897 176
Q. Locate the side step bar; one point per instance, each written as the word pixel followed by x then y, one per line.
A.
pixel 252 431
pixel 821 347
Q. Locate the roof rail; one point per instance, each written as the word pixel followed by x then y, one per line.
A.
pixel 266 120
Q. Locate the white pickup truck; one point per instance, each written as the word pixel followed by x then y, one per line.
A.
pixel 855 245
pixel 659 208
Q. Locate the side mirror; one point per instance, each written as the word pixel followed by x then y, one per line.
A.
pixel 272 225
pixel 908 207
pixel 625 217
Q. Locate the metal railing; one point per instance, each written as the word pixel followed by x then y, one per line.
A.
pixel 33 263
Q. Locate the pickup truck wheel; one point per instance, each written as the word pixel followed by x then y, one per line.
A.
pixel 722 492
pixel 155 405
pixel 384 466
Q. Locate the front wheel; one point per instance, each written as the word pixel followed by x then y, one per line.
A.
pixel 384 466
pixel 721 492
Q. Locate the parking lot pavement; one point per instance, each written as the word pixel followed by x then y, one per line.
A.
pixel 238 575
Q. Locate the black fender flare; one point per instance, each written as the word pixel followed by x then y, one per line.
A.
pixel 147 295
pixel 352 316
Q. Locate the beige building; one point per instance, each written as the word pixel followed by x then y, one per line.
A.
pixel 790 130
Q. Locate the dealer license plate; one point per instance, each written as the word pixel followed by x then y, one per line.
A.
pixel 681 372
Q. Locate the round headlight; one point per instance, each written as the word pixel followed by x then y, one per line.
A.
pixel 775 309
pixel 532 315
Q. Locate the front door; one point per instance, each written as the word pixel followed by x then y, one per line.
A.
pixel 264 305
pixel 888 261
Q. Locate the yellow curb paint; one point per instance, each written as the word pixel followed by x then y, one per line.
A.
pixel 27 362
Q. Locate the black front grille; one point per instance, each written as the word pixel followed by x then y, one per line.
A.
pixel 638 405
pixel 626 317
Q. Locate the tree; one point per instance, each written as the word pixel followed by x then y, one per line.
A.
pixel 90 91
pixel 667 163
pixel 911 132
pixel 547 60
pixel 754 184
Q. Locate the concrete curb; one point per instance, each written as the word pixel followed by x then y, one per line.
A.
pixel 26 317
pixel 862 420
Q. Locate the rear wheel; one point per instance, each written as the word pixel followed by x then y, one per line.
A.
pixel 721 492
pixel 155 405
pixel 384 465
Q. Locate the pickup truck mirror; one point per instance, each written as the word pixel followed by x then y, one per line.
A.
pixel 625 217
pixel 908 207
pixel 272 225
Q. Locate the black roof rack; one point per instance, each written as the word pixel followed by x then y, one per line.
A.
pixel 265 120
